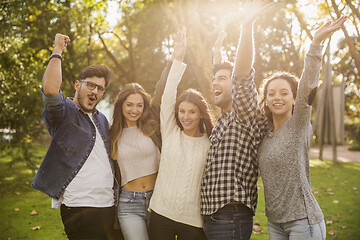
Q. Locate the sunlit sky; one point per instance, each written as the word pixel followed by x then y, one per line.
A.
pixel 307 7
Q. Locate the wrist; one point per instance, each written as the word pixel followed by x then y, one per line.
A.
pixel 315 42
pixel 55 55
pixel 57 50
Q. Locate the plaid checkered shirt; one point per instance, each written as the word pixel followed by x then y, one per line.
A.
pixel 231 170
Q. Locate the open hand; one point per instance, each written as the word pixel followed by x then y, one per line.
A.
pixel 219 41
pixel 252 10
pixel 327 29
pixel 179 45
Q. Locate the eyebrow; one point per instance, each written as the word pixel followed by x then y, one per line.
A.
pixel 271 89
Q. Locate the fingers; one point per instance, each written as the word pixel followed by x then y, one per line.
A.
pixel 220 39
pixel 179 45
pixel 61 42
pixel 338 23
pixel 256 8
pixel 181 36
pixel 335 25
pixel 327 29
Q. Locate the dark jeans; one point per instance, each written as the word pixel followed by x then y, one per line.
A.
pixel 89 222
pixel 162 228
pixel 233 221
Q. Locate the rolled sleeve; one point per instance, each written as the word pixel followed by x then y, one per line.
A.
pixel 52 100
pixel 244 82
pixel 245 98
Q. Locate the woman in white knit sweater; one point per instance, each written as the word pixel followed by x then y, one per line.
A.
pixel 185 127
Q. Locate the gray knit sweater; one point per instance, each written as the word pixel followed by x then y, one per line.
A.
pixel 284 156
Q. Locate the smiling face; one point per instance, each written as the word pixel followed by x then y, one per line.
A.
pixel 86 98
pixel 132 109
pixel 189 117
pixel 280 98
pixel 222 89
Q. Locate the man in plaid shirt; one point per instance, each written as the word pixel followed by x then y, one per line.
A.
pixel 228 189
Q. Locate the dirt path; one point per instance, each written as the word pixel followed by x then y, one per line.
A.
pixel 343 154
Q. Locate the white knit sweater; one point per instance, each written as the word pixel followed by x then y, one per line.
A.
pixel 177 189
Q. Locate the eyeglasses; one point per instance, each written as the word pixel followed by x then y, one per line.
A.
pixel 92 86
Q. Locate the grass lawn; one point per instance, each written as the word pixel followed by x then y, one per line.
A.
pixel 334 186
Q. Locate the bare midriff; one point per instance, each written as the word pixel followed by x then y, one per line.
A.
pixel 141 184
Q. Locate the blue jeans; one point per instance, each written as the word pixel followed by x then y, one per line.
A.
pixel 133 214
pixel 297 230
pixel 233 221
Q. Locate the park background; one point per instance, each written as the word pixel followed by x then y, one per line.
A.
pixel 135 39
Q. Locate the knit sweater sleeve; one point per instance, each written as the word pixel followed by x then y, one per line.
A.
pixel 167 107
pixel 308 81
pixel 310 76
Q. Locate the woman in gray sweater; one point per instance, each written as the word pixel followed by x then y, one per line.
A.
pixel 291 208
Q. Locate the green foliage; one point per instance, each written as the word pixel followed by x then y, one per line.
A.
pixel 352 135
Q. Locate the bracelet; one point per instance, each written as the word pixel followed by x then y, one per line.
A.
pixel 56 55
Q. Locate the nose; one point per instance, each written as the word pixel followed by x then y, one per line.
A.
pixel 95 90
pixel 214 82
pixel 186 115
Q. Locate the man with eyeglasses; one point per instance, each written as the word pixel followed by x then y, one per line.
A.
pixel 77 172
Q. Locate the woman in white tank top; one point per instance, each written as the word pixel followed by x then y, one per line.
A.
pixel 135 145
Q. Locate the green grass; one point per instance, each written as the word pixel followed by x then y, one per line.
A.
pixel 18 199
pixel 330 182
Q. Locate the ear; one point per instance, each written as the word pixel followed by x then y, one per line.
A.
pixel 77 85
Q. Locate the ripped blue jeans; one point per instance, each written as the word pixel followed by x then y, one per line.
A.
pixel 297 230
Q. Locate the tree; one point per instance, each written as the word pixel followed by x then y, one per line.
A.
pixel 27 32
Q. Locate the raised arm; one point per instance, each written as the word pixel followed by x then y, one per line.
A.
pixel 53 77
pixel 217 58
pixel 244 95
pixel 310 75
pixel 167 109
pixel 178 54
pixel 245 50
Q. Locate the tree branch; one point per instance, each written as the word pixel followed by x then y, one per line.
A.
pixel 112 57
pixel 302 23
pixel 353 9
pixel 348 39
pixel 121 41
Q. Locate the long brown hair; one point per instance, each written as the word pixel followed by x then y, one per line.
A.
pixel 145 123
pixel 290 78
pixel 195 97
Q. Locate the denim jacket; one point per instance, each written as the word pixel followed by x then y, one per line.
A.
pixel 73 138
